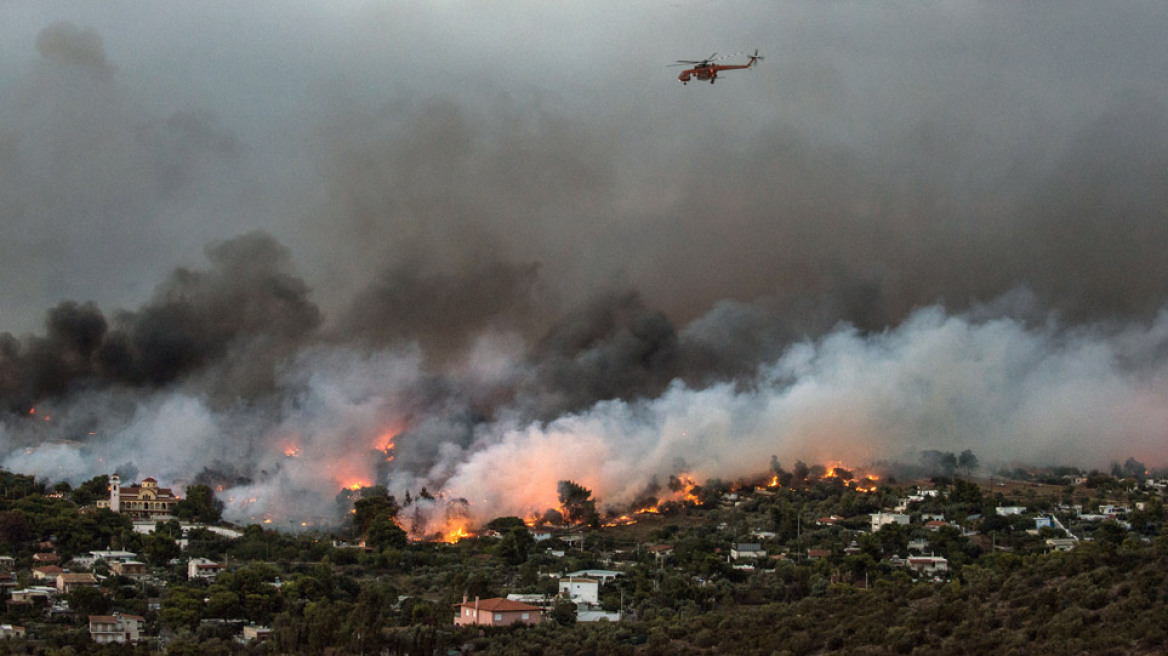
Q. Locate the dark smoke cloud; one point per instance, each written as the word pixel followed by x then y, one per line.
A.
pixel 65 43
pixel 246 305
pixel 572 259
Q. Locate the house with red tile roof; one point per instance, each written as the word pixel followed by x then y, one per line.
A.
pixel 496 612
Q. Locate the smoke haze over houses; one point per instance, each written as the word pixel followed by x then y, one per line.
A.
pixel 258 244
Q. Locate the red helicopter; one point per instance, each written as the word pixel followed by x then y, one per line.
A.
pixel 706 69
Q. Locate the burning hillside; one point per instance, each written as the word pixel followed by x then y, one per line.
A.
pixel 485 295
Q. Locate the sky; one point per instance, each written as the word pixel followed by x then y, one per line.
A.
pixel 505 231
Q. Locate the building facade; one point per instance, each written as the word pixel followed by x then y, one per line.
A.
pixel 105 629
pixel 496 612
pixel 145 501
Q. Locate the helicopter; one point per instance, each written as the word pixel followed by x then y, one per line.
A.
pixel 706 69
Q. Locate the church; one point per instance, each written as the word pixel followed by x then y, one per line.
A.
pixel 145 501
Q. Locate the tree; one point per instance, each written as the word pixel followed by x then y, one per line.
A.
pixel 515 545
pixel 367 509
pixel 90 491
pixel 383 532
pixel 939 462
pixel 14 528
pixel 967 462
pixel 504 524
pixel 200 505
pixel 577 501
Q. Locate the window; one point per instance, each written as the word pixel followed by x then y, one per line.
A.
pixel 498 617
pixel 526 616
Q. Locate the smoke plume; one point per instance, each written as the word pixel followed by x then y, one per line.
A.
pixel 483 282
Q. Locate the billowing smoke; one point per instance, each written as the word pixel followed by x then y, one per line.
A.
pixel 483 294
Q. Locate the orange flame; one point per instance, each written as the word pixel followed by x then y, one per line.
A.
pixel 455 534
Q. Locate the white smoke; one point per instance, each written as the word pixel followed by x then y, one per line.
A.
pixel 1003 388
pixel 997 387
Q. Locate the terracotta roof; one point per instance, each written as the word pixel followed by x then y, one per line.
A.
pixel 48 569
pixel 78 577
pixel 498 605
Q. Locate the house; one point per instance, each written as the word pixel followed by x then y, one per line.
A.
pixel 829 521
pixel 1060 544
pixel 590 615
pixel 32 594
pixel 603 575
pixel 1046 521
pixel 763 535
pixel 253 633
pixel 882 518
pixel 581 590
pixel 45 558
pixel 816 554
pixel 46 573
pixel 202 568
pixel 11 631
pixel 105 629
pixel 68 582
pixel 742 550
pixel 1006 511
pixel 496 612
pixel 935 524
pixel 145 501
pixel 111 555
pixel 129 568
pixel 7 562
pixel 659 551
pixel 7 581
pixel 928 564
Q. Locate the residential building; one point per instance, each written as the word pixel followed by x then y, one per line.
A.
pixel 130 568
pixel 253 633
pixel 581 590
pixel 659 551
pixel 32 594
pixel 46 573
pixel 753 550
pixel 496 612
pixel 597 615
pixel 603 575
pixel 201 568
pixel 11 631
pixel 68 582
pixel 882 518
pixel 928 564
pixel 1006 511
pixel 105 629
pixel 7 562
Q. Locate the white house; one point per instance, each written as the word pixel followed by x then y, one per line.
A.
pixel 753 550
pixel 928 564
pixel 882 518
pixel 201 568
pixel 603 575
pixel 105 629
pixel 581 590
pixel 1005 511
